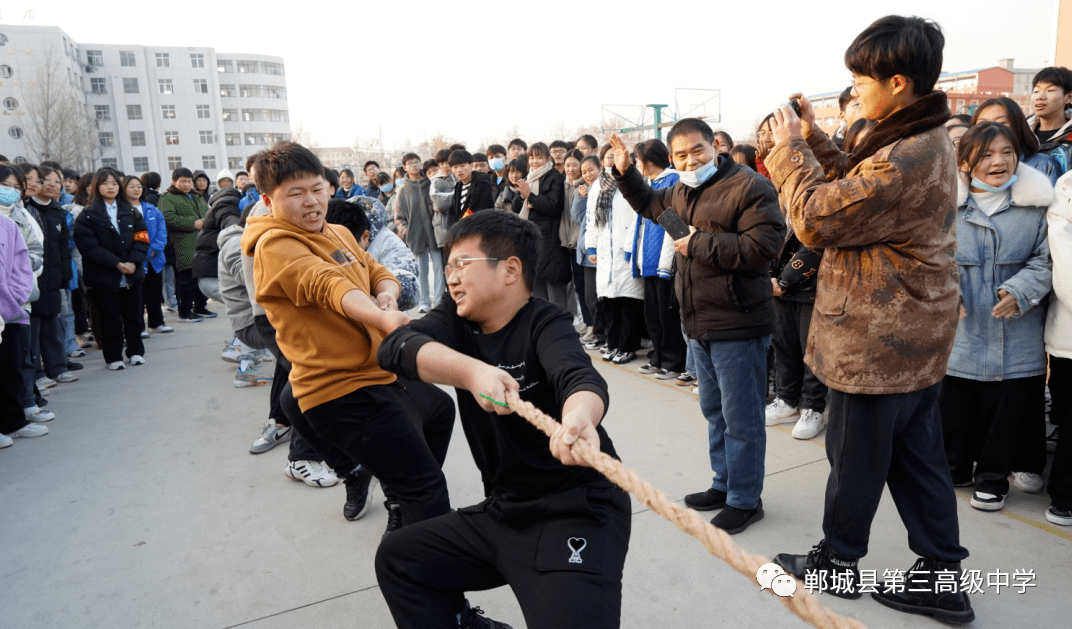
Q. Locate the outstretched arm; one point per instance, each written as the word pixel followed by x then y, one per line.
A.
pixel 439 364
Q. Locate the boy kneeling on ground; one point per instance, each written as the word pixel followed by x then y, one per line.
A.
pixel 555 532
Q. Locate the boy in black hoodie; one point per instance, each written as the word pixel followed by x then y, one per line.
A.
pixel 474 191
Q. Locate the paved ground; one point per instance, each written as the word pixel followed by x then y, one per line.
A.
pixel 142 508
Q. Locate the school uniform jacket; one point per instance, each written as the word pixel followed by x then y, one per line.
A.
pixel 103 247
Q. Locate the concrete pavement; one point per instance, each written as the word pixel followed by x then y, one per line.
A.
pixel 143 508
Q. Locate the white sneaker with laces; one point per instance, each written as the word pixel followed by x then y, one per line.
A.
pixel 37 414
pixel 313 473
pixel 1027 481
pixel 810 424
pixel 117 365
pixel 137 360
pixel 30 430
pixel 233 350
pixel 44 382
pixel 66 377
pixel 778 412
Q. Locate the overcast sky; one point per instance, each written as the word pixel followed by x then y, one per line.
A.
pixel 476 70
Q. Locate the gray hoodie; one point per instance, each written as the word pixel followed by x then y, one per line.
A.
pixel 232 279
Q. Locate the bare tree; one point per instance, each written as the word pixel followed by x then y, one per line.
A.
pixel 303 135
pixel 56 117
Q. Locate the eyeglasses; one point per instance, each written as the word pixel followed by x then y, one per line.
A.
pixel 461 263
pixel 856 86
pixel 50 182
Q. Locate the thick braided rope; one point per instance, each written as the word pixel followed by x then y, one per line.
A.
pixel 717 541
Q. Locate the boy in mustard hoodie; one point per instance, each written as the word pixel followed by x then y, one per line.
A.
pixel 331 305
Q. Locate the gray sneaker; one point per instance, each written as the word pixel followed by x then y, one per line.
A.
pixel 66 377
pixel 272 435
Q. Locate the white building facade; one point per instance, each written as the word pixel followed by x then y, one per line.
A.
pixel 159 108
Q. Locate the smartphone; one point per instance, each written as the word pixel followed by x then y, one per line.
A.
pixel 672 223
pixel 795 104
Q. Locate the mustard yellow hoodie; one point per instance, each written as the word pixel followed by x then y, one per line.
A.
pixel 301 277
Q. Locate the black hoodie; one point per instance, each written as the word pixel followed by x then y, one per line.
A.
pixel 222 213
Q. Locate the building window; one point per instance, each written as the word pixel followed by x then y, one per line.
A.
pixel 197 61
pixel 171 137
pixel 6 71
pixel 110 162
pixel 15 132
pixel 95 57
pixel 224 66
pixel 174 162
pixel 104 112
pixel 233 139
pixel 3 39
pixel 265 115
pixel 247 66
pixel 19 159
pixel 106 138
pixel 203 111
pixel 208 161
pixel 133 112
pixel 165 86
pixel 207 137
pixel 141 164
pixel 232 163
pixel 273 68
pixel 168 112
pixel 11 104
pixel 126 58
pixel 163 60
pixel 137 138
pixel 263 91
pixel 253 139
pixel 98 86
pixel 230 115
pixel 227 90
pixel 130 86
pixel 200 86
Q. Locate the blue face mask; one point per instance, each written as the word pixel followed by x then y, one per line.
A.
pixel 8 196
pixel 496 163
pixel 399 182
pixel 989 188
pixel 694 178
pixel 387 187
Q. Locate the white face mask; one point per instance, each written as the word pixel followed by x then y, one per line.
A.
pixel 694 178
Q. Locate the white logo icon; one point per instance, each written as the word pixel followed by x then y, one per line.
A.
pixel 766 573
pixel 784 585
pixel 577 544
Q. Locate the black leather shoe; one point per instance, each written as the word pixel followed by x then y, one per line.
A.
pixel 358 494
pixel 920 593
pixel 734 520
pixel 842 575
pixel 706 500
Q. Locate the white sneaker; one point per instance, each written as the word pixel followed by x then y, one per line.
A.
pixel 263 356
pixel 78 353
pixel 137 360
pixel 37 414
pixel 6 442
pixel 162 329
pixel 44 382
pixel 117 365
pixel 145 334
pixel 30 430
pixel 810 424
pixel 1027 481
pixel 232 351
pixel 778 412
pixel 313 473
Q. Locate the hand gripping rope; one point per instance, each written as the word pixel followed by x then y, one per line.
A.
pixel 718 542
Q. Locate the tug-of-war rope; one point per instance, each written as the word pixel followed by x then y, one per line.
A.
pixel 718 542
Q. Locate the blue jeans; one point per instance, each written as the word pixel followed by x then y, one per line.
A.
pixel 67 323
pixel 733 391
pixel 690 357
pixel 170 299
pixel 432 282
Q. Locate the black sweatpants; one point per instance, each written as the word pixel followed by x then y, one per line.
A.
pixel 663 316
pixel 793 380
pixel 153 297
pixel 78 305
pixel 562 555
pixel 999 426
pixel 894 440
pixel 625 322
pixel 380 427
pixel 12 417
pixel 594 303
pixel 190 297
pixel 120 318
pixel 1060 483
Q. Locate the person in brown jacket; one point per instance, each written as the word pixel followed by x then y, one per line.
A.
pixel 885 313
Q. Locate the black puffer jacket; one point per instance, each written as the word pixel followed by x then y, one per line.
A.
pixel 546 214
pixel 56 271
pixel 102 247
pixel 222 213
pixel 723 285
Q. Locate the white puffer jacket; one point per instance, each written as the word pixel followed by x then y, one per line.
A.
pixel 1059 317
pixel 614 249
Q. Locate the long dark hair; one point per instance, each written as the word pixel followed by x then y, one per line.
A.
pixel 123 187
pixel 1026 140
pixel 974 143
pixel 749 153
pixel 653 152
pixel 81 195
pixel 99 178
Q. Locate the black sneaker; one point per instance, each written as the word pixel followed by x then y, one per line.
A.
pixel 734 520
pixel 920 593
pixel 706 500
pixel 205 313
pixel 842 575
pixel 684 379
pixel 71 366
pixel 623 358
pixel 189 318
pixel 473 618
pixel 394 517
pixel 1051 440
pixel 358 494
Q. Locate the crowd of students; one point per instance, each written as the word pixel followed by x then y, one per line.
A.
pixel 905 283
